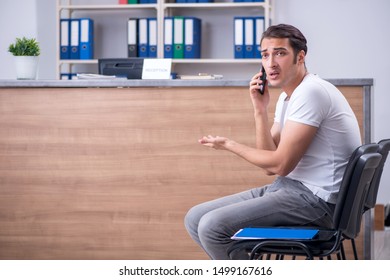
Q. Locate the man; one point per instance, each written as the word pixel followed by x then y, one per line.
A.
pixel 313 134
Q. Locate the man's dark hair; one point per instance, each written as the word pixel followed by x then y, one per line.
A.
pixel 297 40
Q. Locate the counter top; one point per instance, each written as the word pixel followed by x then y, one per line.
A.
pixel 152 83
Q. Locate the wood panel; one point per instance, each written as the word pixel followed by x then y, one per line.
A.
pixel 97 173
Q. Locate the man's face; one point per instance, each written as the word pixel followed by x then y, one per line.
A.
pixel 278 61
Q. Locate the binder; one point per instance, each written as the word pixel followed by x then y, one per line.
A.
pixel 74 38
pixel 168 37
pixel 276 233
pixel 65 76
pixel 178 37
pixel 238 37
pixel 249 37
pixel 132 36
pixel 123 2
pixel 64 39
pixel 152 26
pixel 192 37
pixel 143 47
pixel 86 38
pixel 132 2
pixel 259 29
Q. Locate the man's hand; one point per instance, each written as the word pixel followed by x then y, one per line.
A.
pixel 260 101
pixel 215 142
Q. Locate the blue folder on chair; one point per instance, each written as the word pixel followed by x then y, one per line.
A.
pixel 275 233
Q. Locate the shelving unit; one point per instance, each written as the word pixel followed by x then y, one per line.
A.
pixel 211 11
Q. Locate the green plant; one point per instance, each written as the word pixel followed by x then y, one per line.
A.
pixel 25 47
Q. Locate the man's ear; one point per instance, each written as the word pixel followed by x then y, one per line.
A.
pixel 301 56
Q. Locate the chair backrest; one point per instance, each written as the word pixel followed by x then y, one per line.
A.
pixel 349 169
pixel 350 212
pixel 383 149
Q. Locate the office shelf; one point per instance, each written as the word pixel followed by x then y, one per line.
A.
pixel 209 11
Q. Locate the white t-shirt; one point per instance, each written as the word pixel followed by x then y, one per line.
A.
pixel 318 103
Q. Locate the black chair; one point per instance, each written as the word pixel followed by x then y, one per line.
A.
pixel 383 149
pixel 347 216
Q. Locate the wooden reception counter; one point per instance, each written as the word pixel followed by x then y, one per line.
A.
pixel 108 169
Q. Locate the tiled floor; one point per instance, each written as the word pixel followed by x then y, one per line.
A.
pixel 382 244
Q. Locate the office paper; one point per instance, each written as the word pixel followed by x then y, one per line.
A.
pixel 156 68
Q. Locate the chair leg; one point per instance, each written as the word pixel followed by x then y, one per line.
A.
pixel 354 249
pixel 342 257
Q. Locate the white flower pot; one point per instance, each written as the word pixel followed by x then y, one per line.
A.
pixel 26 67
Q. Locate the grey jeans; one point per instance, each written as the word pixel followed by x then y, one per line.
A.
pixel 285 202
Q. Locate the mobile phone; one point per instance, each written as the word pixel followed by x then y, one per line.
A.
pixel 263 78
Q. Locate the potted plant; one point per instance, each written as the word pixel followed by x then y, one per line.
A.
pixel 26 52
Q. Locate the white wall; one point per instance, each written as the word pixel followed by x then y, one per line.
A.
pixel 17 19
pixel 346 39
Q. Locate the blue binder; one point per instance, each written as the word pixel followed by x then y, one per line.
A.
pixel 249 38
pixel 74 38
pixel 168 37
pixel 143 34
pixel 238 37
pixel 65 76
pixel 275 233
pixel 64 38
pixel 152 27
pixel 259 29
pixel 86 38
pixel 192 37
